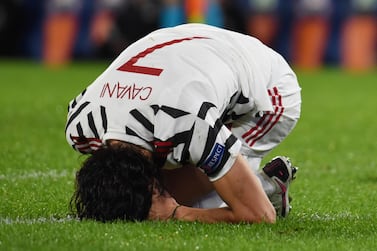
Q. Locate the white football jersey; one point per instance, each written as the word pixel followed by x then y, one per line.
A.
pixel 174 91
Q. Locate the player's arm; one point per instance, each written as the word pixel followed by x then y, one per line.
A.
pixel 239 188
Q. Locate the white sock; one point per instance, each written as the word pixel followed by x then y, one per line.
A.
pixel 268 186
pixel 254 163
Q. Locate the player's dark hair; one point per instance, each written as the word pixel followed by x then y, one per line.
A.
pixel 115 184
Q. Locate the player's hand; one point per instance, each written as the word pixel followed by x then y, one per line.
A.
pixel 162 207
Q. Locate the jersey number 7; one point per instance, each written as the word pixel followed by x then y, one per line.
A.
pixel 130 66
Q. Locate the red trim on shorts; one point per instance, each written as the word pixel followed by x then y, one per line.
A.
pixel 267 121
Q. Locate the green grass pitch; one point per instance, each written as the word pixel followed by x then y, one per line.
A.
pixel 334 195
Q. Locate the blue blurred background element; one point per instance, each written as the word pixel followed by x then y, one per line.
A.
pixel 308 33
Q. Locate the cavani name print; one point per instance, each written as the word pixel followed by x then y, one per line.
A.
pixel 125 91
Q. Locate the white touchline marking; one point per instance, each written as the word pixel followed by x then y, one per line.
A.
pixel 68 218
pixel 36 175
pixel 40 220
pixel 331 216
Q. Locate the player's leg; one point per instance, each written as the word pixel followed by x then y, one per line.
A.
pixel 259 135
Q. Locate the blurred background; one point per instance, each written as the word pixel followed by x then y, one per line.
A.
pixel 310 34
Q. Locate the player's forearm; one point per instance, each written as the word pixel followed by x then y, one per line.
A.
pixel 213 215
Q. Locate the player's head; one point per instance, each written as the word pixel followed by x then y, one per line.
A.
pixel 115 183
